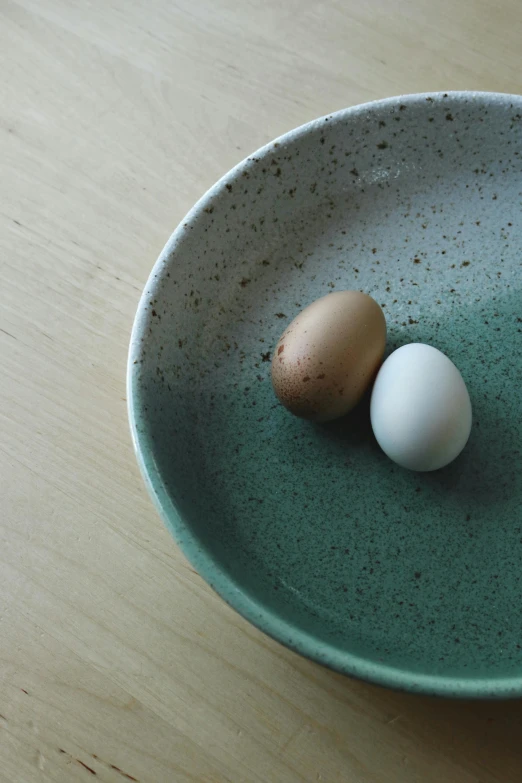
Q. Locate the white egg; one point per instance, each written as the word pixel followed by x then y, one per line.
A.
pixel 420 408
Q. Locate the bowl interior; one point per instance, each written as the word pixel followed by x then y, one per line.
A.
pixel 407 579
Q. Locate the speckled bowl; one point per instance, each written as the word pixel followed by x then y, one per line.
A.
pixel 408 580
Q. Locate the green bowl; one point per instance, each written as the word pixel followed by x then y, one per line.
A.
pixel 310 532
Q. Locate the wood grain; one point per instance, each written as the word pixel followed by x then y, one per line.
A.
pixel 117 663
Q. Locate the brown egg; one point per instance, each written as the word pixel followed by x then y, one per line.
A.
pixel 329 355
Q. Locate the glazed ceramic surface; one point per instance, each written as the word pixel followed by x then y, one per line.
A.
pixel 409 580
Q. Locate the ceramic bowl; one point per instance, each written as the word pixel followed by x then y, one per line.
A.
pixel 405 579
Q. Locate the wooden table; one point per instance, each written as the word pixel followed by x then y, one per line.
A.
pixel 117 662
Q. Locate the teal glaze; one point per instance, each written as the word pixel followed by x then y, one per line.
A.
pixel 407 580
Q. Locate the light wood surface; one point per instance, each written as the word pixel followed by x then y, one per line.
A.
pixel 117 663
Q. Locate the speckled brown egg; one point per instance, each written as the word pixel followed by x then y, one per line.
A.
pixel 328 355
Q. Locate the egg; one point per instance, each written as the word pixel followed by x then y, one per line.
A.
pixel 420 408
pixel 328 355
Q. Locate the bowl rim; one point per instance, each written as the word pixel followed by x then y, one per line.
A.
pixel 211 571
